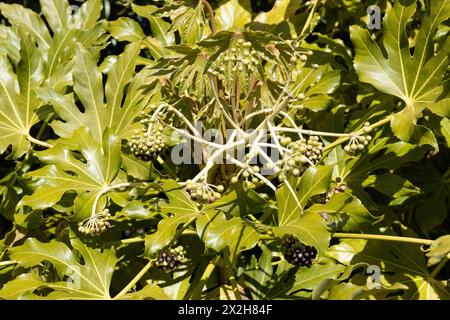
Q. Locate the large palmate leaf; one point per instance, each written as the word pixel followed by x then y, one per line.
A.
pixel 64 172
pixel 417 78
pixel 86 280
pixel 18 102
pixel 58 44
pixel 90 280
pixel 116 113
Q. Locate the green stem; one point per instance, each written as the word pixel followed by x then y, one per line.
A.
pixel 206 274
pixel 446 174
pixel 344 139
pixel 439 267
pixel 7 263
pixel 135 279
pixel 126 241
pixel 309 20
pixel 230 274
pixel 39 142
pixel 382 237
pixel 166 166
pixel 212 18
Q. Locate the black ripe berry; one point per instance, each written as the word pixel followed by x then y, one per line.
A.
pixel 170 258
pixel 296 252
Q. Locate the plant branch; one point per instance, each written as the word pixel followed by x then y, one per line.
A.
pixel 39 142
pixel 382 237
pixel 206 274
pixel 7 263
pixel 212 17
pixel 230 274
pixel 346 138
pixel 439 267
pixel 135 280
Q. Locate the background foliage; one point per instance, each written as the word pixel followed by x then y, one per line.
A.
pixel 77 78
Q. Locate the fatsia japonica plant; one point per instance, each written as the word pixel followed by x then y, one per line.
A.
pixel 194 149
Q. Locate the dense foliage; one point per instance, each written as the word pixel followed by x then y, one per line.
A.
pixel 227 149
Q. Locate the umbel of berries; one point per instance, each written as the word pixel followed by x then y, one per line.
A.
pixel 296 252
pixel 169 259
pixel 338 187
pixel 239 58
pixel 147 143
pixel 204 192
pixel 95 225
pixel 304 152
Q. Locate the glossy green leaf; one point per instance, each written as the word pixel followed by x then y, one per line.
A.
pixel 277 14
pixel 217 232
pixel 159 27
pixel 90 280
pixel 310 229
pixel 308 279
pixel 29 21
pixel 17 98
pixel 399 262
pixel 116 114
pixel 57 14
pixel 392 75
pixel 64 172
pixel 439 249
pixel 393 186
pixel 345 212
pixel 315 180
pixel 126 29
pixel 232 15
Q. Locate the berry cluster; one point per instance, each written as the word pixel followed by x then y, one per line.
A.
pixel 148 142
pixel 248 174
pixel 296 252
pixel 169 259
pixel 359 142
pixel 311 148
pixel 204 192
pixel 304 152
pixel 339 187
pixel 95 225
pixel 240 57
pixel 299 55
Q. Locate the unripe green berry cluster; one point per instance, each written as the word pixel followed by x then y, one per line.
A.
pixel 357 144
pixel 311 148
pixel 248 175
pixel 147 143
pixel 240 57
pixel 296 252
pixel 203 192
pixel 304 152
pixel 170 258
pixel 95 225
